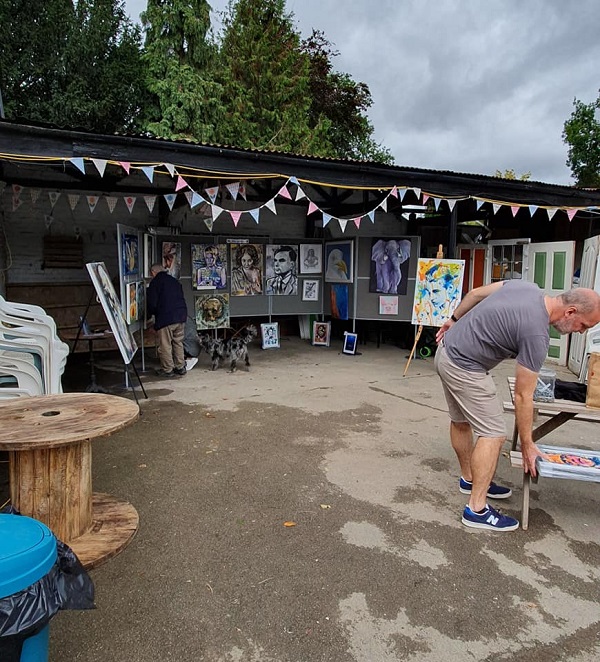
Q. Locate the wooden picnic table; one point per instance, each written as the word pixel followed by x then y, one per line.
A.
pixel 48 439
pixel 557 413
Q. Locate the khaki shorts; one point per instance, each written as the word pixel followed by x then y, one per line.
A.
pixel 471 397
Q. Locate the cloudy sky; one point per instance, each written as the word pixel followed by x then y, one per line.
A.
pixel 463 85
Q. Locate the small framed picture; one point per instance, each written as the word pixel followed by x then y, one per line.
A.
pixel 310 290
pixel 270 335
pixel 311 258
pixel 321 333
pixel 350 340
pixel 388 305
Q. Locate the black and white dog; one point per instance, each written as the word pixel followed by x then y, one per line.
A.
pixel 235 349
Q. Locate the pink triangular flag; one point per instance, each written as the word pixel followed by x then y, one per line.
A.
pixel 212 193
pixel 571 213
pixel 125 165
pixel 284 193
pixel 54 196
pixel 394 192
pixel 92 201
pixel 16 202
pixel 150 200
pixel 130 201
pixel 111 202
pixel 311 208
pixel 235 216
pixel 425 197
pixel 233 189
pixel 357 221
pixel 17 189
pixel 73 200
pixel 181 183
pixel 514 209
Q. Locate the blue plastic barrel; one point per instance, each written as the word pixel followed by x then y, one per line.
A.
pixel 27 553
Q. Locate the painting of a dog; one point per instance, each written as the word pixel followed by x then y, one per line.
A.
pixel 235 349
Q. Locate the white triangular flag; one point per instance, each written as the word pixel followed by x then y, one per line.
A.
pixel 171 168
pixel 35 194
pixel 451 204
pixel 242 190
pixel 383 204
pixel 417 193
pixel 496 207
pixel 215 210
pixel 270 204
pixel 130 201
pixel 111 202
pixel 54 196
pixel 170 198
pixel 92 201
pixel 212 193
pixel 300 193
pixel 16 202
pixel 208 221
pixel 233 189
pixel 551 213
pixel 73 200
pixel 343 223
pixel 150 200
pixel 100 165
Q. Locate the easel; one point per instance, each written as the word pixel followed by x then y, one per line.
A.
pixel 439 256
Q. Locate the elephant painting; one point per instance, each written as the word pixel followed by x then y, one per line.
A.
pixel 387 256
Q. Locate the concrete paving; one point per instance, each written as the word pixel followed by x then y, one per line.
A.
pixel 376 567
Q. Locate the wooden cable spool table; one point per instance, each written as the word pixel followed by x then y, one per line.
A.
pixel 48 439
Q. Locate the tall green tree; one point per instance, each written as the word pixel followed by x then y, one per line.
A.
pixel 265 77
pixel 70 65
pixel 511 174
pixel 581 133
pixel 343 101
pixel 180 60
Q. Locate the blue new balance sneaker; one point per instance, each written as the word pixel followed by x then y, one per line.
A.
pixel 490 518
pixel 494 491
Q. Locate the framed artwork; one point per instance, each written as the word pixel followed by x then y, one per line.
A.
pixel 148 254
pixel 388 305
pixel 130 255
pixel 281 269
pixel 209 266
pixel 438 290
pixel 389 265
pixel 246 269
pixel 140 296
pixel 112 309
pixel 339 301
pixel 132 302
pixel 171 258
pixel 310 290
pixel 270 335
pixel 311 258
pixel 339 262
pixel 321 333
pixel 350 340
pixel 212 311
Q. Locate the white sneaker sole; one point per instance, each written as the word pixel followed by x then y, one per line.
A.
pixel 483 525
pixel 498 497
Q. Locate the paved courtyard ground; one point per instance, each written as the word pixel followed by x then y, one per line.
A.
pixel 377 567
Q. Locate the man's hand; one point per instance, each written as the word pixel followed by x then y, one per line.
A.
pixel 440 334
pixel 530 453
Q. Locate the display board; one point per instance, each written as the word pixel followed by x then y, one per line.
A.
pixel 131 247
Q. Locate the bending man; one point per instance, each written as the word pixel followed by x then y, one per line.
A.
pixel 505 320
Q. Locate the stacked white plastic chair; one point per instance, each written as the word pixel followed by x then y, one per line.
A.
pixel 32 356
pixel 592 344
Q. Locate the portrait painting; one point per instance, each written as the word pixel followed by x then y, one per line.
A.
pixel 388 305
pixel 281 269
pixel 209 266
pixel 132 302
pixel 339 262
pixel 130 255
pixel 310 290
pixel 112 309
pixel 270 335
pixel 339 301
pixel 438 290
pixel 212 311
pixel 171 258
pixel 311 258
pixel 321 333
pixel 350 340
pixel 246 269
pixel 389 265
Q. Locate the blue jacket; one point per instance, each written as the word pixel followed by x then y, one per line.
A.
pixel 165 300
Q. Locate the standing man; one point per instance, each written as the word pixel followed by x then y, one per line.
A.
pixel 166 303
pixel 505 320
pixel 285 280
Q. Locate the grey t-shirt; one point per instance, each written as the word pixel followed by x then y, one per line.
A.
pixel 510 323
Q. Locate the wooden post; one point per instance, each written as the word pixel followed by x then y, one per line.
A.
pixel 439 256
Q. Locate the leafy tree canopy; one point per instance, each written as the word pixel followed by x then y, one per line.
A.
pixel 511 174
pixel 582 134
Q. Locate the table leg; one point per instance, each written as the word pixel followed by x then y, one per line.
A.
pixel 525 505
pixel 93 387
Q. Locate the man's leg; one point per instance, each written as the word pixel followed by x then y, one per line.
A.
pixel 484 459
pixel 165 352
pixel 177 335
pixel 461 436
